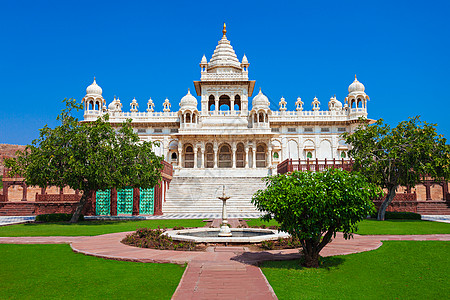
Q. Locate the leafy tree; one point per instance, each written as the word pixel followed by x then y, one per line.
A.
pixel 87 157
pixel 400 156
pixel 313 206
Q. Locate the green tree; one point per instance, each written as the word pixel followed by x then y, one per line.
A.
pixel 313 206
pixel 87 156
pixel 400 156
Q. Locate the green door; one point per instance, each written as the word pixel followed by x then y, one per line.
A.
pixel 146 201
pixel 103 203
pixel 125 201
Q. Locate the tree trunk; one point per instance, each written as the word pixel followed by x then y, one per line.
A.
pixel 311 253
pixel 386 202
pixel 77 213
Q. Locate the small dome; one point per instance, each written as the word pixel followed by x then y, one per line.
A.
pixel 356 86
pixel 94 89
pixel 204 61
pixel 188 101
pixel 260 100
pixel 334 104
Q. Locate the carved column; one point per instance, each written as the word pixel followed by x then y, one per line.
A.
pixel 195 157
pixel 232 104
pixel 202 157
pixel 233 156
pixel 246 158
pixel 216 157
pixel 269 157
pixel 254 157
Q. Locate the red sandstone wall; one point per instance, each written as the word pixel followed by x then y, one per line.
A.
pixel 7 150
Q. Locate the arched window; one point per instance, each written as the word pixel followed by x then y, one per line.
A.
pixel 211 103
pixel 225 156
pixel 240 156
pixel 261 156
pixel 359 103
pixel 91 105
pixel 237 102
pixel 261 117
pixel 255 118
pixel 353 103
pixel 189 157
pixel 343 155
pixel 97 105
pixel 174 156
pixel 209 156
pixel 275 155
pixel 188 118
pixel 309 155
pixel 224 103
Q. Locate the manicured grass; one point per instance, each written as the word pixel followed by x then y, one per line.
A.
pixel 259 222
pixel 55 272
pixel 370 226
pixel 397 270
pixel 91 227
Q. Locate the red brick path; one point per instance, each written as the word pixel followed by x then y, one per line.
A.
pixel 220 272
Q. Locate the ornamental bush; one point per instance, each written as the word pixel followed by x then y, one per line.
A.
pixel 313 206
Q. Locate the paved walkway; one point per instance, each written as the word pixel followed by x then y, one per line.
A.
pixel 220 272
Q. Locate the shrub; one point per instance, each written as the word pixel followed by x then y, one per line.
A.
pixel 46 218
pixel 397 215
pixel 155 239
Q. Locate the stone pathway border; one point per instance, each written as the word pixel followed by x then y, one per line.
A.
pixel 220 272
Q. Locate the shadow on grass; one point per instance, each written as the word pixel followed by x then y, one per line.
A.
pixel 326 263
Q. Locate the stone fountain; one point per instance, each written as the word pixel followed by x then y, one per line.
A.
pixel 225 234
pixel 224 228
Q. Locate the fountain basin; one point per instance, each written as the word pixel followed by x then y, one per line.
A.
pixel 239 235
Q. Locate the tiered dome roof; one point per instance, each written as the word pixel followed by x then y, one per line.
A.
pixel 94 89
pixel 224 55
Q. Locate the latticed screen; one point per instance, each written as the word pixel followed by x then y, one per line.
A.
pixel 146 206
pixel 103 203
pixel 125 201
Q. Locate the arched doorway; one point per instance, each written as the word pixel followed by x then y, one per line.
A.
pixel 189 157
pixel 211 103
pixel 224 103
pixel 225 156
pixel 240 156
pixel 209 153
pixel 237 102
pixel 261 156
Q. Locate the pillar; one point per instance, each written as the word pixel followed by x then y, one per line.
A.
pixel 5 191
pixel 24 191
pixel 202 157
pixel 216 104
pixel 216 157
pixel 195 157
pixel 269 158
pixel 158 199
pixel 61 194
pixel 246 158
pixel 233 157
pixel 428 189
pixel 113 203
pixel 136 196
pixel 180 157
pixel 254 157
pixel 231 104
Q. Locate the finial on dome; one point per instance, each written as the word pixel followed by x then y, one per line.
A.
pixel 356 78
pixel 224 31
pixel 260 89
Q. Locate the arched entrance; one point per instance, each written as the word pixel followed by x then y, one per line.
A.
pixel 225 156
pixel 261 156
pixel 240 156
pixel 225 101
pixel 189 157
pixel 209 156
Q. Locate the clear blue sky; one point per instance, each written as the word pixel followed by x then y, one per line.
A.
pixel 50 50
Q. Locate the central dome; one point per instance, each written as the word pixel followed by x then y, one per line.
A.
pixel 260 101
pixel 224 55
pixel 356 86
pixel 94 89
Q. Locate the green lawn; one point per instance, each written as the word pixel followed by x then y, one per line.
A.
pixel 90 227
pixel 368 227
pixel 397 270
pixel 55 272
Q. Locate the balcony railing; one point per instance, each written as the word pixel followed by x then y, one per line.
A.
pixel 291 165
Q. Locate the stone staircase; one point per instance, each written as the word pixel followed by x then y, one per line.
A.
pixel 433 207
pixel 199 194
pixel 17 209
